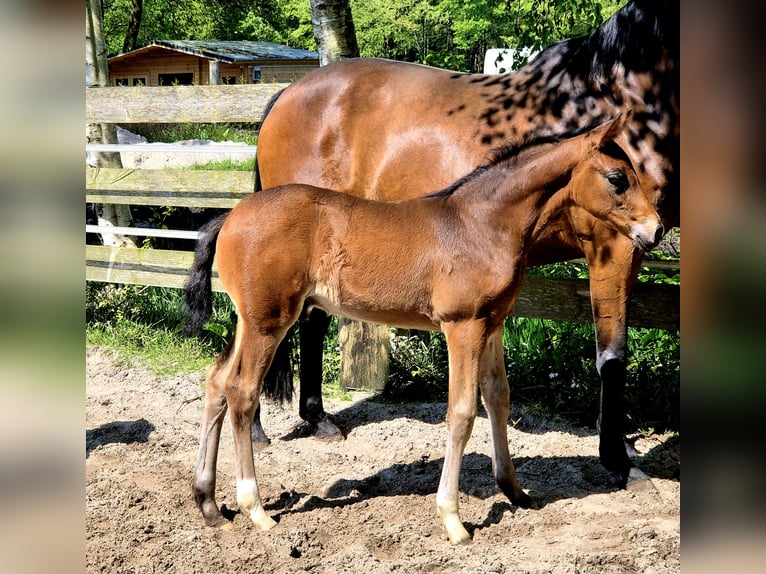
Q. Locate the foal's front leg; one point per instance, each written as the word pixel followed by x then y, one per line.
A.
pixel 465 343
pixel 496 395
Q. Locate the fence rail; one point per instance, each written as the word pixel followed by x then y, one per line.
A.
pixel 560 299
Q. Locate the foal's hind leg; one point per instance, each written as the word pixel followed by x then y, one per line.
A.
pixel 495 393
pixel 203 484
pixel 254 351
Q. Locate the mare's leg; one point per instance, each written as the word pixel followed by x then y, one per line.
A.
pixel 613 266
pixel 258 436
pixel 495 393
pixel 277 385
pixel 311 408
pixel 203 483
pixel 465 342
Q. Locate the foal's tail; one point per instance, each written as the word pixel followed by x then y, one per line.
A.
pixel 198 288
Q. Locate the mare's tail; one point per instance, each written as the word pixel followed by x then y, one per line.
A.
pixel 198 288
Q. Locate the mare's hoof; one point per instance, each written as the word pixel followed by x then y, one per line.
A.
pixel 259 437
pixel 523 500
pixel 259 445
pixel 325 430
pixel 639 482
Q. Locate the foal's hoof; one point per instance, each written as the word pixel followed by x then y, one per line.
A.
pixel 638 481
pixel 219 522
pixel 516 495
pixel 325 429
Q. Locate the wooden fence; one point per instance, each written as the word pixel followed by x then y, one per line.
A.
pixel 652 305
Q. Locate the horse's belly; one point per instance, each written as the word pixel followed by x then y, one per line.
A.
pixel 371 313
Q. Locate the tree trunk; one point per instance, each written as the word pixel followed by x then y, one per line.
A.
pixel 97 75
pixel 134 25
pixel 365 348
pixel 333 30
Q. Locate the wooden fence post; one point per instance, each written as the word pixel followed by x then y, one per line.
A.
pixel 215 72
pixel 365 350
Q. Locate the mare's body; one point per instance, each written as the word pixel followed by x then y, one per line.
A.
pixel 390 130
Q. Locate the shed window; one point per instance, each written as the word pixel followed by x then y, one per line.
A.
pixel 229 80
pixel 121 82
pixel 185 79
pixel 139 81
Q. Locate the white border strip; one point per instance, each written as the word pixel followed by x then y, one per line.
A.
pixel 142 231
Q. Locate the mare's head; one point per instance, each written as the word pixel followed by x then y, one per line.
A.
pixel 604 183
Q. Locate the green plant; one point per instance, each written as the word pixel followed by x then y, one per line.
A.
pixel 419 367
pixel 144 323
pixel 168 133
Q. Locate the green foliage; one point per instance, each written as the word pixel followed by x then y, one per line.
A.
pixel 218 132
pixel 455 35
pixel 144 324
pixel 419 367
pixel 281 21
pixel 444 33
pixel 552 365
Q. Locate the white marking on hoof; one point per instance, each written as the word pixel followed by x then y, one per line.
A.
pixel 249 501
pixel 455 530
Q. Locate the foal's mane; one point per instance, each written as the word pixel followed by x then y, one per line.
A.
pixel 510 152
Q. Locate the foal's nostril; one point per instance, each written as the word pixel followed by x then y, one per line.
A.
pixel 658 234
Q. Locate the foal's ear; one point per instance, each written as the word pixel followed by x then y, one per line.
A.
pixel 609 130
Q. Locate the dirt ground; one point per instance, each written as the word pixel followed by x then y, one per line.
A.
pixel 366 504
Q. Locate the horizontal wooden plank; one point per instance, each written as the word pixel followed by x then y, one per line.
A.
pixel 177 187
pixel 242 151
pixel 671 264
pixel 179 104
pixel 652 305
pixel 155 267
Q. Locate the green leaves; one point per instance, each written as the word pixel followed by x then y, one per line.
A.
pixel 446 33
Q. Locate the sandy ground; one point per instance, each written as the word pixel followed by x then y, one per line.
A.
pixel 366 504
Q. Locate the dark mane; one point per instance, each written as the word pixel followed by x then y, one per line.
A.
pixel 634 36
pixel 508 152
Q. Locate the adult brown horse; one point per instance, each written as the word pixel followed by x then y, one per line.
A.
pixel 390 130
pixel 451 261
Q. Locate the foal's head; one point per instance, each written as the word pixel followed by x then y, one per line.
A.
pixel 604 183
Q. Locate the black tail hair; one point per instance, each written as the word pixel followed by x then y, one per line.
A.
pixel 198 288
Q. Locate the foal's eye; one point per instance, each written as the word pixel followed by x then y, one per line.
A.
pixel 619 181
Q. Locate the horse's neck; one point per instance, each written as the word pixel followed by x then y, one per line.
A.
pixel 512 195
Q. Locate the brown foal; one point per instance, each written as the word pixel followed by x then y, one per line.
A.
pixel 451 261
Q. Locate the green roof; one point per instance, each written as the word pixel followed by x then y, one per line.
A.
pixel 233 51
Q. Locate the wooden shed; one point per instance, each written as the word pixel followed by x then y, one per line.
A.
pixel 202 62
